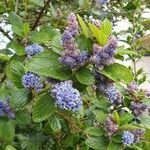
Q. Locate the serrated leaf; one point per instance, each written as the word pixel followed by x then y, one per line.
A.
pixel 43 108
pixel 16 71
pixel 106 27
pixel 97 143
pixel 84 27
pixel 85 76
pixel 98 34
pixel 19 98
pixel 94 131
pixel 47 64
pixel 118 72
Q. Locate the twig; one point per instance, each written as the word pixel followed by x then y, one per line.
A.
pixel 40 15
pixel 16 7
pixel 5 33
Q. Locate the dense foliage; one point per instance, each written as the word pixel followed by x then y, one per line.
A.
pixel 62 81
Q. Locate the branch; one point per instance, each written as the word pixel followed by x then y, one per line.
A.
pixel 40 15
pixel 5 33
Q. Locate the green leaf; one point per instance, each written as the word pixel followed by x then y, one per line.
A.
pixel 94 131
pixel 85 76
pixel 97 143
pixel 56 45
pixel 118 72
pixel 43 108
pixel 84 27
pixel 84 3
pixel 125 118
pixel 18 48
pixel 98 34
pixel 84 43
pixel 100 115
pixel 71 141
pixel 10 147
pixel 23 118
pixel 18 31
pixel 106 27
pixel 15 20
pixel 38 2
pixel 123 51
pixel 46 34
pixel 47 64
pixel 145 120
pixel 25 28
pixel 102 103
pixel 7 130
pixel 16 71
pixel 19 98
pixel 114 146
pixel 129 127
pixel 54 123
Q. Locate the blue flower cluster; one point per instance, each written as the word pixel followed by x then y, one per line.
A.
pixel 138 108
pixel 32 81
pixel 131 137
pixel 33 49
pixel 128 138
pixel 113 95
pixel 104 55
pixel 102 2
pixel 5 109
pixel 110 126
pixel 71 56
pixel 66 97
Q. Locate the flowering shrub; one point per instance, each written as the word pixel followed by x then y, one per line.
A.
pixel 65 81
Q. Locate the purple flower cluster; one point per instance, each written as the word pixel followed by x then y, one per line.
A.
pixel 96 22
pixel 33 49
pixel 107 88
pixel 67 97
pixel 131 137
pixel 32 81
pixel 138 108
pixel 72 56
pixel 132 88
pixel 104 55
pixel 138 134
pixel 5 109
pixel 102 2
pixel 110 126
